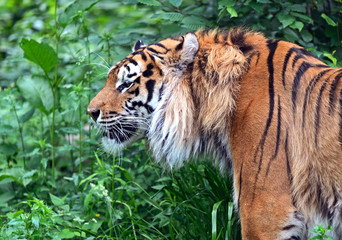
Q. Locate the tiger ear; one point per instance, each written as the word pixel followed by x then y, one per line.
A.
pixel 190 47
pixel 137 45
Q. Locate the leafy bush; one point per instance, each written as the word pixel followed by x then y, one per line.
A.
pixel 55 182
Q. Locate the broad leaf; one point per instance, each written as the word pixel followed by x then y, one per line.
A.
pixel 329 20
pixel 232 12
pixel 35 221
pixel 150 2
pixel 6 129
pixel 37 92
pixel 176 3
pixel 73 10
pixel 297 25
pixel 12 174
pixel 56 200
pixel 66 234
pixel 226 3
pixel 173 16
pixel 40 53
pixel 26 116
pixel 8 148
pixel 285 20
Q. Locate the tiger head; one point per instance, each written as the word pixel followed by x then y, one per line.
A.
pixel 136 87
pixel 179 92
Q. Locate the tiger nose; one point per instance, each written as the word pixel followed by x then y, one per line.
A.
pixel 94 113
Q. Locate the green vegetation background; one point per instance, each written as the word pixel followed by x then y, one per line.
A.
pixel 55 180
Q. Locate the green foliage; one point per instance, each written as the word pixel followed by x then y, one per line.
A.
pixel 37 91
pixel 55 182
pixel 321 233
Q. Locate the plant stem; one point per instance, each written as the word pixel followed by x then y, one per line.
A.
pixel 80 139
pixel 113 192
pixel 20 132
pixel 54 89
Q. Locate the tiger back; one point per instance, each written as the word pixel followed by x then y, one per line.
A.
pixel 266 110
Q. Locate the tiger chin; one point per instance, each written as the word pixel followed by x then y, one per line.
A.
pixel 266 110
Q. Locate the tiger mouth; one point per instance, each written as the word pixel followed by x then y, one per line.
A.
pixel 121 132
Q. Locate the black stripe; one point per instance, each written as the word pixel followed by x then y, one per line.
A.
pixel 150 86
pixel 180 45
pixel 150 66
pixel 133 61
pixel 272 46
pixel 240 186
pixel 288 166
pixel 137 80
pixel 147 73
pixel 318 108
pixel 278 137
pixel 151 56
pixel 296 58
pixel 286 60
pixel 340 133
pixel 288 227
pixel 301 70
pixel 161 45
pixel 131 75
pixel 143 56
pixel 332 91
pixel 225 36
pixel 153 50
pixel 216 38
pixel 249 59
pixel 309 90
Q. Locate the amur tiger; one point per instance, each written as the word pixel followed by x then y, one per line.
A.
pixel 267 110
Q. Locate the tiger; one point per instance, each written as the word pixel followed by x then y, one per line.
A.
pixel 267 111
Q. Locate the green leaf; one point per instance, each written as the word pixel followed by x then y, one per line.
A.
pixel 195 22
pixel 285 20
pixel 297 25
pixel 328 20
pixel 6 129
pixel 264 1
pixel 74 9
pixel 150 2
pixel 39 53
pixel 26 116
pixel 87 200
pixel 306 36
pixel 29 177
pixel 290 35
pixel 173 16
pixel 56 200
pixel 304 17
pixel 214 220
pixel 6 196
pixel 35 221
pixel 8 148
pixel 176 3
pixel 226 3
pixel 14 174
pixel 331 57
pixel 37 92
pixel 158 187
pixel 66 234
pixel 232 12
pixel 257 7
pixel 298 8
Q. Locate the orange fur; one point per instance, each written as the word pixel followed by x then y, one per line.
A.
pixel 267 109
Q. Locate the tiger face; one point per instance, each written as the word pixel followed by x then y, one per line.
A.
pixel 135 87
